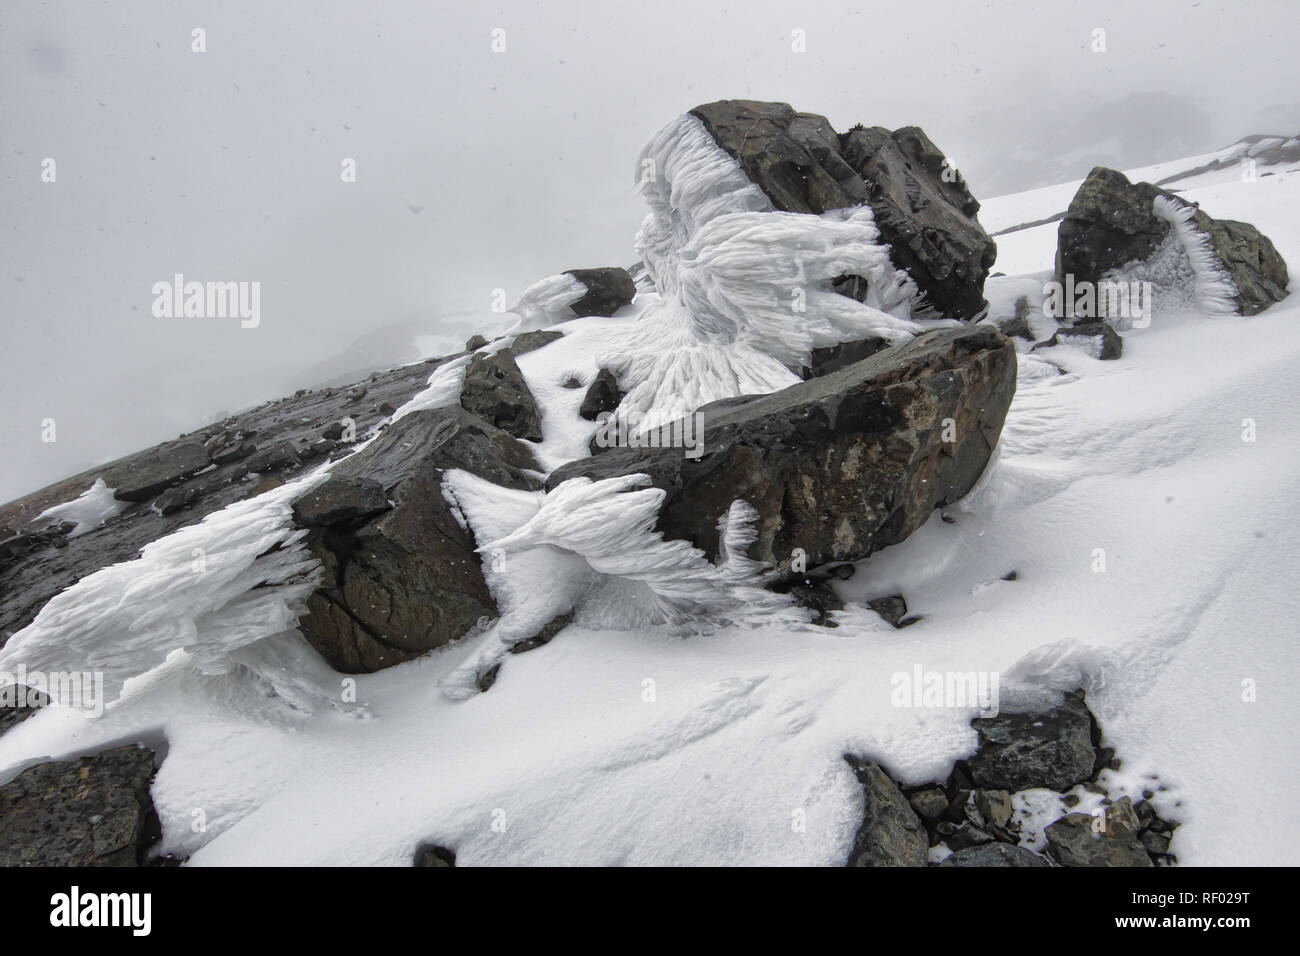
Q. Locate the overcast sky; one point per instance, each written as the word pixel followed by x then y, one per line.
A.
pixel 476 169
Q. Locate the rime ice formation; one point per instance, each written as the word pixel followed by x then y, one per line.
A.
pixel 209 590
pixel 1184 272
pixel 87 511
pixel 1214 289
pixel 546 302
pixel 746 290
pixel 590 547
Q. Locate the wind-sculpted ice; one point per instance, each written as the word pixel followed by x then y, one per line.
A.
pixel 546 302
pixel 87 511
pixel 1215 291
pixel 591 548
pixel 1183 272
pixel 207 591
pixel 442 389
pixel 746 290
pixel 224 593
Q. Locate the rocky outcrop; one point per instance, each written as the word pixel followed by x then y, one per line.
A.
pixel 144 476
pixel 842 465
pixel 603 395
pixel 1109 838
pixel 1052 748
pixel 38 563
pixel 407 579
pixel 495 390
pixel 1112 223
pixel 922 207
pixel 890 833
pixel 95 811
pixel 608 290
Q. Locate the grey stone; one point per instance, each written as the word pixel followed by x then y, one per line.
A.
pixel 839 466
pixel 89 812
pixel 408 579
pixel 495 390
pixel 1051 749
pixel 890 833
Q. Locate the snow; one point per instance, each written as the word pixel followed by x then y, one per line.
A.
pixel 87 511
pixel 633 739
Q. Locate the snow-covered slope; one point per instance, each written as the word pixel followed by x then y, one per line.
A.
pixel 641 744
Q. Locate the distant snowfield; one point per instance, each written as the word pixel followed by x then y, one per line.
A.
pixel 640 747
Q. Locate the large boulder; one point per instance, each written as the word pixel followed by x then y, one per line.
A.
pixel 400 580
pixel 1051 748
pixel 890 833
pixel 841 465
pixel 1112 223
pixel 95 811
pixel 495 391
pixel 922 207
pixel 609 288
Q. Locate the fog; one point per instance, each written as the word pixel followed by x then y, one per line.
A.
pixel 479 170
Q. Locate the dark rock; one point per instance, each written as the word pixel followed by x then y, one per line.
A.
pixel 474 343
pixel 484 681
pixel 835 357
pixel 816 595
pixel 333 431
pixel 1080 839
pixel 89 812
pixel 994 806
pixel 603 395
pixel 340 498
pixel 964 836
pixel 356 394
pixel 429 854
pixel 1157 844
pixel 495 391
pixel 1051 749
pixel 174 499
pixel 839 466
pixel 408 579
pixel 281 456
pixel 608 290
pixel 543 636
pixel 929 804
pixel 893 608
pixel 141 477
pixel 1112 222
pixel 890 833
pixel 1018 325
pixel 572 382
pixel 387 409
pixel 995 854
pixel 17 703
pixel 922 207
pixel 1102 340
pixel 531 341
